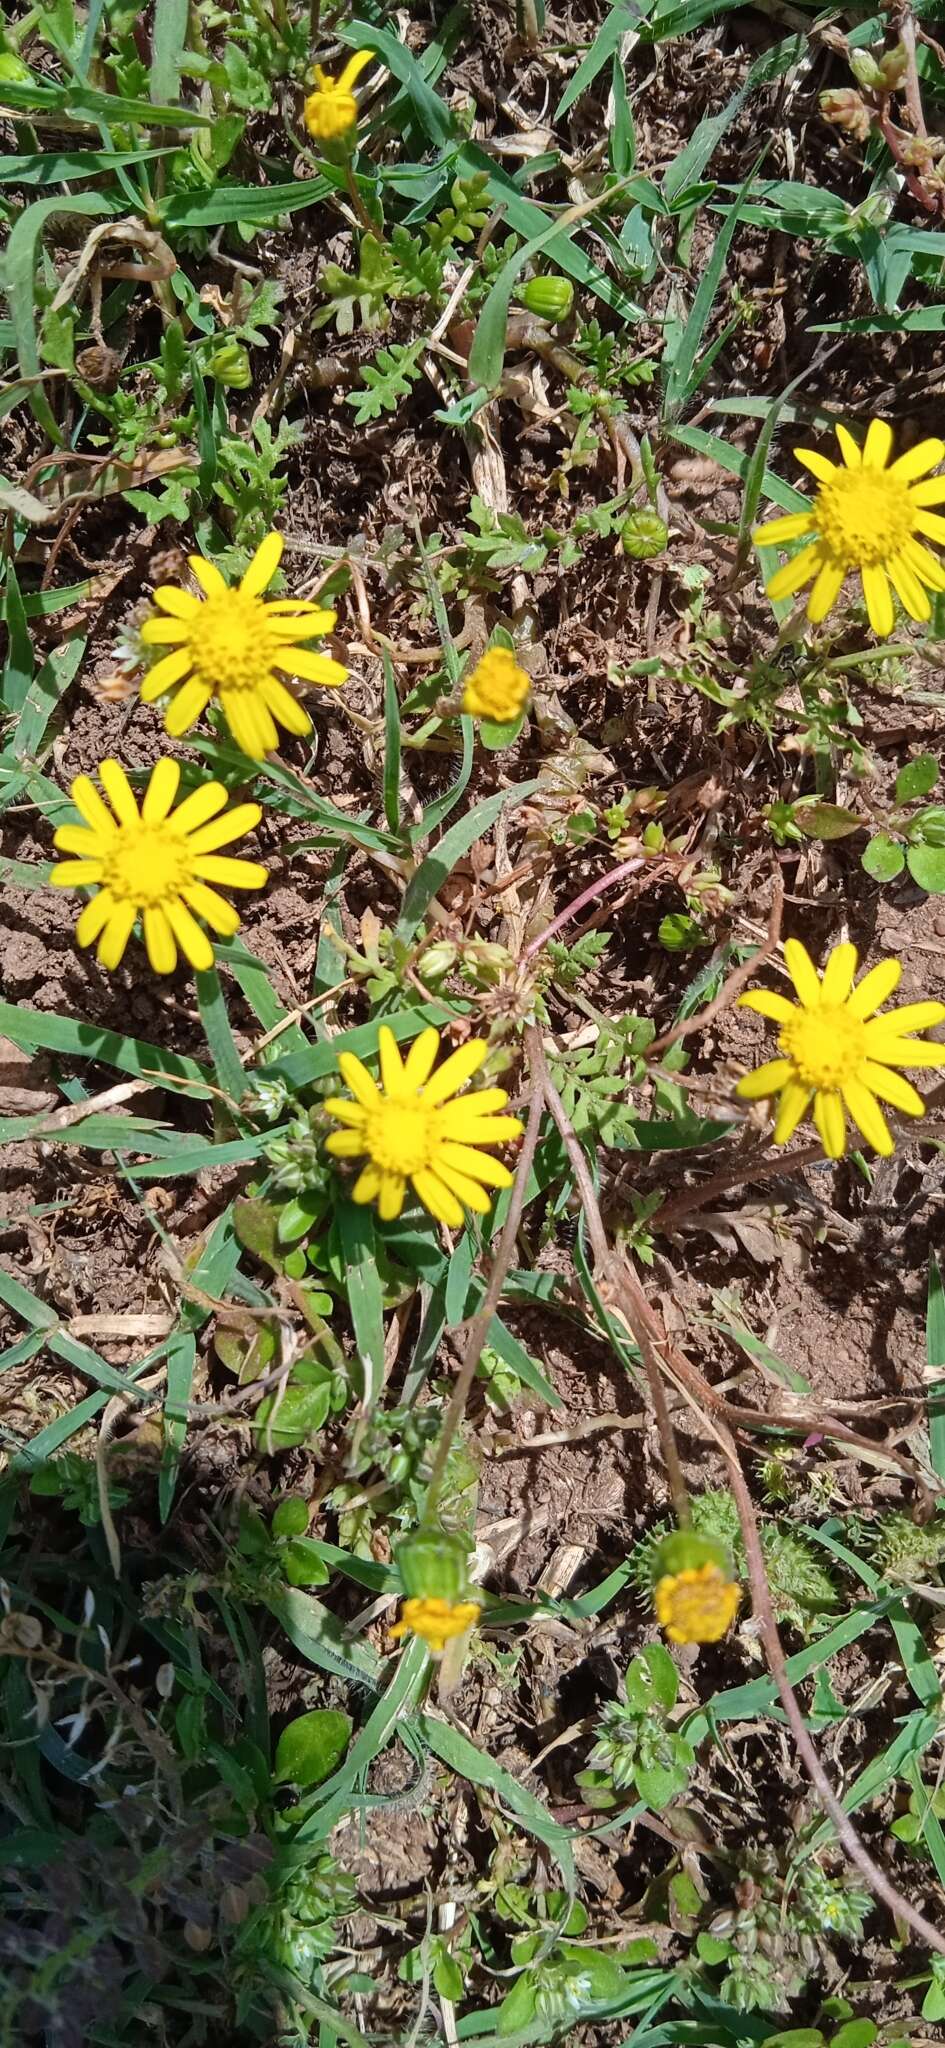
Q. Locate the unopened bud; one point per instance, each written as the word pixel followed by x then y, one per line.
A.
pixel 865 70
pixel 550 297
pixel 230 365
pixel 893 66
pixel 644 535
pixel 845 109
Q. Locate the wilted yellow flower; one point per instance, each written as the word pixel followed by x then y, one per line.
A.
pixel 418 1130
pixel 234 646
pixel 866 517
pixel 156 864
pixel 696 1606
pixel 437 1621
pixel 497 687
pixel 838 1053
pixel 331 110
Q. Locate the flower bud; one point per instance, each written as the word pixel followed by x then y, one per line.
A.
pixel 893 66
pixel 845 109
pixel 685 1550
pixel 434 1564
pixel 644 535
pixel 550 297
pixel 230 365
pixel 865 70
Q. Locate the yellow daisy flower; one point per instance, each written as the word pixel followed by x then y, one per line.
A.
pixel 417 1131
pixel 696 1606
pixel 156 864
pixel 497 687
pixel 234 646
pixel 837 1051
pixel 866 516
pixel 437 1621
pixel 331 110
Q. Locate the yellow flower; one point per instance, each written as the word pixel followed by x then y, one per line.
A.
pixel 156 864
pixel 497 688
pixel 437 1621
pixel 413 1132
pixel 230 647
pixel 331 110
pixel 696 1606
pixel 865 516
pixel 836 1050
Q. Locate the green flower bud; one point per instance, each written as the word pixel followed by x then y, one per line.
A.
pixel 893 66
pixel 686 1551
pixel 438 960
pixel 550 297
pixel 865 70
pixel 230 365
pixel 434 1564
pixel 644 535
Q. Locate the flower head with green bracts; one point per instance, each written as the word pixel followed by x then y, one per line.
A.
pixel 869 516
pixel 497 688
pixel 415 1129
pixel 695 1596
pixel 233 647
pixel 837 1053
pixel 156 864
pixel 331 111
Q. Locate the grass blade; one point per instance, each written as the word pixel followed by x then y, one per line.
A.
pixel 935 1358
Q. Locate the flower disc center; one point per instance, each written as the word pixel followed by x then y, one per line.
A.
pixel 229 642
pixel 400 1135
pixel 827 1045
pixel 864 516
pixel 146 864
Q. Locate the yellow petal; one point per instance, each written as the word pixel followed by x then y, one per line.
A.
pixel 868 1117
pixel 249 722
pixel 211 582
pixel 189 704
pixel 908 1017
pixel 161 790
pixel 778 532
pixel 454 1122
pixel 345 1111
pixel 828 584
pixel 165 674
pixel 76 874
pixel 436 1197
pixel 476 1165
pixel 263 566
pixel 181 604
pixel 391 1064
pixel 116 934
pixel 284 707
pixel 906 1052
pixel 345 1144
pixel 911 593
pixel 831 1123
pixel 875 988
pixel 483 1102
pixel 792 1106
pixel 242 818
pixel 78 839
pixel 231 874
pixel 892 1087
pixel 94 917
pixel 931 493
pixel 765 1081
pixel 455 1071
pixel 819 465
pixel 926 565
pixel 215 910
pixel 767 1003
pixel 838 974
pixel 390 1196
pixel 203 803
pixel 931 525
pixel 353 69
pixel 421 1058
pixel 159 940
pixel 165 632
pixel 119 792
pixel 918 461
pixel 848 448
pixel 877 448
pixel 786 581
pixel 879 604
pixel 193 942
pixel 89 805
pixel 356 1077
pixel 313 668
pixel 367 1185
pixel 803 973
pixel 467 1191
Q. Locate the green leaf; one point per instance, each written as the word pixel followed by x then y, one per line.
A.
pixel 652 1679
pixel 391 746
pixel 917 778
pixel 284 1421
pixel 434 870
pixel 935 1356
pixel 688 364
pixel 883 858
pixel 20 283
pixel 227 1064
pixel 168 39
pixel 926 865
pixel 312 1746
pixel 494 737
pixel 826 821
pixel 365 1299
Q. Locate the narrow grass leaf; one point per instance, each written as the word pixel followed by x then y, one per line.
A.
pixel 181 1359
pixel 391 746
pixel 471 1763
pixel 365 1299
pixel 935 1356
pixel 227 1065
pixel 20 283
pixel 168 38
pixel 33 1031
pixel 44 695
pixel 19 664
pixel 433 871
pixel 687 365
